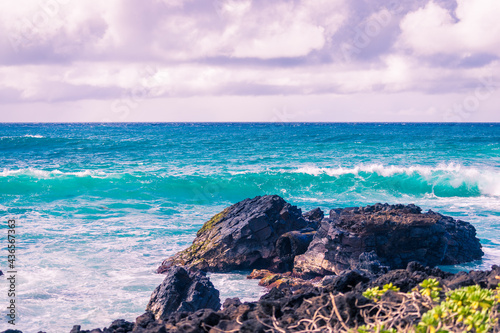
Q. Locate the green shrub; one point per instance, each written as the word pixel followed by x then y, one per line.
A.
pixel 467 309
pixel 471 309
pixel 376 293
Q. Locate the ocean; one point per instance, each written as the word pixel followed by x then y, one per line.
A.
pixel 99 206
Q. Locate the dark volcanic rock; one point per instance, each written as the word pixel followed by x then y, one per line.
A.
pixel 314 217
pixel 146 323
pixel 369 262
pixel 183 291
pixel 485 279
pixel 199 321
pixel 387 235
pixel 462 245
pixel 235 301
pixel 291 244
pixel 117 326
pixel 365 247
pixel 242 236
pixel 290 308
pixel 407 279
pixel 344 282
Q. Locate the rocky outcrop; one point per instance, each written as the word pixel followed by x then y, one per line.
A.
pixel 288 308
pixel 314 217
pixel 268 233
pixel 291 244
pixel 117 326
pixel 334 261
pixel 380 237
pixel 279 280
pixel 183 291
pixel 285 309
pixel 242 236
pixel 462 244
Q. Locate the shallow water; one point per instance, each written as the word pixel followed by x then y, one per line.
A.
pixel 99 206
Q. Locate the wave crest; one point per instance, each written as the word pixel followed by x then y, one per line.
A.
pixel 452 174
pixel 36 136
pixel 37 173
pixel 445 180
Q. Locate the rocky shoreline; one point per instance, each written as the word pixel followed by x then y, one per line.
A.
pixel 310 263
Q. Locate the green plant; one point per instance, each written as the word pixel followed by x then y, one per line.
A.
pixel 376 293
pixel 470 309
pixel 373 293
pixel 430 323
pixel 426 309
pixel 430 288
pixel 467 309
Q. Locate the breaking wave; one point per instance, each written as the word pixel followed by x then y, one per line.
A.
pixel 452 176
pixel 376 180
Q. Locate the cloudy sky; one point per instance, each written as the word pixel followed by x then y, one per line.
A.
pixel 249 60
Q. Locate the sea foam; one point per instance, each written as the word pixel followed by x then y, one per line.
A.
pixel 452 174
pixel 39 173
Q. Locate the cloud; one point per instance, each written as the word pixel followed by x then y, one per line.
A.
pixel 472 30
pixel 134 51
pixel 165 30
pixel 283 30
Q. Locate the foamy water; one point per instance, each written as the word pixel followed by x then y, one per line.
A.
pixel 98 207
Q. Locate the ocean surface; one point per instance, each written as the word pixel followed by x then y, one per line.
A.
pixel 99 206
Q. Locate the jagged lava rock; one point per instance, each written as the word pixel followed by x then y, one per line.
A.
pixel 291 244
pixel 314 217
pixel 392 235
pixel 117 326
pixel 289 308
pixel 182 290
pixel 242 236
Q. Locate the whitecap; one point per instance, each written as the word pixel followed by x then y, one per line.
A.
pixel 39 173
pixel 455 175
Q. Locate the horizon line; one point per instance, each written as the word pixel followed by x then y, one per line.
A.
pixel 248 122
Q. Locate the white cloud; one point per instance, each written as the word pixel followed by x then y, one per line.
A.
pixel 395 74
pixel 280 41
pixel 285 29
pixel 150 29
pixel 432 29
pixel 104 50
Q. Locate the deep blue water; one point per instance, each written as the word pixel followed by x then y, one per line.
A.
pixel 100 205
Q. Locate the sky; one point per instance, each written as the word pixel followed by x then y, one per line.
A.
pixel 249 60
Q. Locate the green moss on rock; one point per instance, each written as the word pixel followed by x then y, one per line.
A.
pixel 212 222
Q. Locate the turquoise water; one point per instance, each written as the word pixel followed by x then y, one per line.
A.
pixel 100 205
